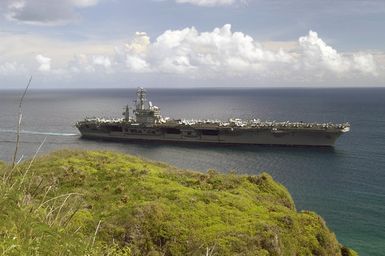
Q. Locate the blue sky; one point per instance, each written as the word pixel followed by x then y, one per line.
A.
pixel 192 43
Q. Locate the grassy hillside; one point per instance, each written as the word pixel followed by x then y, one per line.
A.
pixel 95 203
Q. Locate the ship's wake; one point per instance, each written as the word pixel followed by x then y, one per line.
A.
pixel 39 133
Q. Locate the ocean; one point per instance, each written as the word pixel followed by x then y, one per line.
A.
pixel 344 184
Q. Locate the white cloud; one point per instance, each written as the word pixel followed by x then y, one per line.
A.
pixel 222 52
pixel 102 61
pixel 136 64
pixel 208 2
pixel 23 48
pixel 45 12
pixel 365 63
pixel 317 55
pixel 84 3
pixel 83 63
pixel 11 69
pixel 188 52
pixel 80 64
pixel 217 55
pixel 44 63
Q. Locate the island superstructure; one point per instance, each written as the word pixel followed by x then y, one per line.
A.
pixel 147 124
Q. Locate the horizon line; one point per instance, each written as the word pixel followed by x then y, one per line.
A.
pixel 195 87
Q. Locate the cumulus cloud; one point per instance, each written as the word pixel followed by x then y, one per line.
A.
pixel 44 63
pixel 102 61
pixel 208 2
pixel 189 52
pixel 45 12
pixel 83 63
pixel 80 64
pixel 365 63
pixel 317 55
pixel 222 52
pixel 217 55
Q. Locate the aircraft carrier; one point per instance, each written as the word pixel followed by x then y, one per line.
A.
pixel 146 124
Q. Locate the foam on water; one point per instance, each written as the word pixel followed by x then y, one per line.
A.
pixel 39 133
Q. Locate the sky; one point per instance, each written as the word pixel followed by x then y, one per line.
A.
pixel 192 43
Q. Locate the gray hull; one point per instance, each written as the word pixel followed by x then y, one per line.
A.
pixel 254 136
pixel 149 125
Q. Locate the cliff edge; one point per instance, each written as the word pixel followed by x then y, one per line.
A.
pixel 74 202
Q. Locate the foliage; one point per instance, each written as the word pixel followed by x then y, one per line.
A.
pixel 74 202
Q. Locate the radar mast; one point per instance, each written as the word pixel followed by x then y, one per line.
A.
pixel 141 99
pixel 145 113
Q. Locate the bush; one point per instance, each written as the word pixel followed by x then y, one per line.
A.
pixel 102 203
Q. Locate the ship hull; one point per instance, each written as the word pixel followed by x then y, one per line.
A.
pixel 149 125
pixel 252 136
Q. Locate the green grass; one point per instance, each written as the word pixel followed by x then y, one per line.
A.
pixel 148 208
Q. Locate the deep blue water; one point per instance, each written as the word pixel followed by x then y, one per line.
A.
pixel 345 184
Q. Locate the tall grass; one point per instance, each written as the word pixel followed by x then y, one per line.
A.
pixel 20 117
pixel 28 202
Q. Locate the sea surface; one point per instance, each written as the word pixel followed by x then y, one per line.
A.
pixel 344 184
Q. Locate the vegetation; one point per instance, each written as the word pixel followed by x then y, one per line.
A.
pixel 104 203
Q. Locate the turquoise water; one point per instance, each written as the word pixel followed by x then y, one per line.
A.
pixel 345 184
